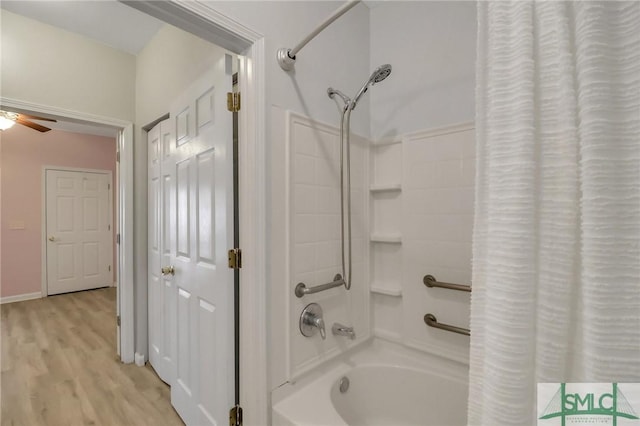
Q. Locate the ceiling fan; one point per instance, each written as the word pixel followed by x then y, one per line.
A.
pixel 8 119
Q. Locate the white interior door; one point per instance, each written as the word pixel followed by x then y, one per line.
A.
pixel 161 291
pixel 201 233
pixel 79 235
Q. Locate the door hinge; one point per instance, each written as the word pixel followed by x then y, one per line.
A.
pixel 109 267
pixel 117 156
pixel 108 227
pixel 117 238
pixel 233 101
pixel 118 320
pixel 235 416
pixel 109 187
pixel 235 258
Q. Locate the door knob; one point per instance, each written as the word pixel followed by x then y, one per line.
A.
pixel 52 238
pixel 168 270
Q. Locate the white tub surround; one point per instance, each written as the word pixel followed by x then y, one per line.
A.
pixel 388 385
pixel 313 208
pixel 421 222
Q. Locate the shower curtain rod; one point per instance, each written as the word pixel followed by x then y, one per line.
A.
pixel 287 57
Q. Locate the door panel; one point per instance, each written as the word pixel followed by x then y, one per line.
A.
pixel 203 188
pixel 160 287
pixel 78 227
pixel 184 208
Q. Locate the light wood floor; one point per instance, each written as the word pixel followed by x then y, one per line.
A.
pixel 59 367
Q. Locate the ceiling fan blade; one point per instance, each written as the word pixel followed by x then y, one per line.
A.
pixel 33 125
pixel 35 117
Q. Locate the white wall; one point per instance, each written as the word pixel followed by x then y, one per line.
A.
pixel 48 66
pixel 338 57
pixel 431 46
pixel 166 66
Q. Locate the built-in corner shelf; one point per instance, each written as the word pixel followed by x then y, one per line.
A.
pixel 386 238
pixel 379 289
pixel 386 187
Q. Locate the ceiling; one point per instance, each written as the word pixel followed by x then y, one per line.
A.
pixel 106 21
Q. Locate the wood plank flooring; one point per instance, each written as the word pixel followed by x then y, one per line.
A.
pixel 59 367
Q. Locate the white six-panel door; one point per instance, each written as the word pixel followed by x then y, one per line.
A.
pixel 161 291
pixel 191 311
pixel 78 230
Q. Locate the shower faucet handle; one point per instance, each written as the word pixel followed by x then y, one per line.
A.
pixel 320 325
pixel 311 321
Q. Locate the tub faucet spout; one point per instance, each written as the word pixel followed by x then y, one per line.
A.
pixel 342 330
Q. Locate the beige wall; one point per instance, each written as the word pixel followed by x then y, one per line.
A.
pixel 48 66
pixel 166 66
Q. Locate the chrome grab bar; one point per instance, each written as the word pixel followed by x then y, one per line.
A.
pixel 302 289
pixel 430 281
pixel 431 321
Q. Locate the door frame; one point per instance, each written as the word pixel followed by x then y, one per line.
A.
pixel 43 216
pixel 204 21
pixel 124 180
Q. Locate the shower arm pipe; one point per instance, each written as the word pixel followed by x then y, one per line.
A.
pixel 287 57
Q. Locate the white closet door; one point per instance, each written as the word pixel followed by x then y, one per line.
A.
pixel 79 235
pixel 161 290
pixel 201 233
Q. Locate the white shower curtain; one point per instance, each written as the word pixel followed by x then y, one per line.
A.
pixel 556 251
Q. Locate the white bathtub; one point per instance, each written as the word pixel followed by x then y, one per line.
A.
pixel 388 386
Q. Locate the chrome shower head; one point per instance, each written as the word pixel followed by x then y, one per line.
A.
pixel 377 76
pixel 380 73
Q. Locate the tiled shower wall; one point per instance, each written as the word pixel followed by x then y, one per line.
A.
pixel 314 240
pixel 412 215
pixel 422 194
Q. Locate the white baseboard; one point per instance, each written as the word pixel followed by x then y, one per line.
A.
pixel 139 359
pixel 20 297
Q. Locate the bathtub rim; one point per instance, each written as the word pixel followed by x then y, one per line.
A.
pixel 289 399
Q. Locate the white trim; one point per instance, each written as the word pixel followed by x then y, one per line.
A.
pixel 439 131
pixel 125 208
pixel 254 388
pixel 139 359
pixel 20 297
pixel 125 249
pixel 78 169
pixel 61 112
pixel 380 143
pixel 43 214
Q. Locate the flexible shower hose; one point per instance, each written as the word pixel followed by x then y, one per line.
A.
pixel 344 139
